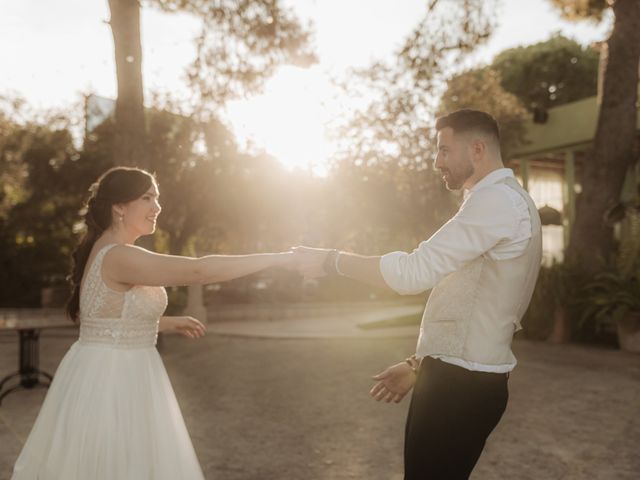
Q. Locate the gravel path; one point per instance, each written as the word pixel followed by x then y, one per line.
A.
pixel 294 409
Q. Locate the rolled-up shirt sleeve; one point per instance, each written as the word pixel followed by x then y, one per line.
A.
pixel 485 218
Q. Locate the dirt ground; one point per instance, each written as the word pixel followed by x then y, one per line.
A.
pixel 298 409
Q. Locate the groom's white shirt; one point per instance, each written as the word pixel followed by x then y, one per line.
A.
pixel 493 220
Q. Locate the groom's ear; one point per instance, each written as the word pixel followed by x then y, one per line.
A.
pixel 478 149
pixel 478 146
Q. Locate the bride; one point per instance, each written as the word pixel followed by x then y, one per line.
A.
pixel 110 412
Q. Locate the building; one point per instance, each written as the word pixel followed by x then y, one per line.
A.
pixel 549 165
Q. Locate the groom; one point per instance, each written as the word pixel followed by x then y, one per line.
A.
pixel 482 266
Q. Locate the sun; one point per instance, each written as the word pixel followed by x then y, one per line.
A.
pixel 289 119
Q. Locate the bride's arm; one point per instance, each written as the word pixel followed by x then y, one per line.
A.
pixel 129 264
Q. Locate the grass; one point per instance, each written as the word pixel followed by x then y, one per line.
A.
pixel 402 321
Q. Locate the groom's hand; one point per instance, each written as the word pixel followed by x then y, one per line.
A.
pixel 393 383
pixel 309 261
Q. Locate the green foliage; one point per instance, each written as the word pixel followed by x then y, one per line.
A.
pixel 543 75
pixel 481 89
pixel 557 288
pixel 394 123
pixel 615 292
pixel 386 146
pixel 12 171
pixel 36 236
pixel 215 199
pixel 579 9
pixel 549 73
pixel 447 32
pixel 240 46
pixel 609 298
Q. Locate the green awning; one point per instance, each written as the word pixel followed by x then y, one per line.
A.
pixel 569 126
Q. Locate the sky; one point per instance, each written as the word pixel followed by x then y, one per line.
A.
pixel 53 52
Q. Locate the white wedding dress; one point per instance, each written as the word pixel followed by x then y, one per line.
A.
pixel 110 412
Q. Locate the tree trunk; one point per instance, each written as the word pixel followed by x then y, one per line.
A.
pixel 629 332
pixel 615 140
pixel 129 147
pixel 561 332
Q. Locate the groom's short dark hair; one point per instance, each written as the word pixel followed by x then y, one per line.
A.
pixel 467 120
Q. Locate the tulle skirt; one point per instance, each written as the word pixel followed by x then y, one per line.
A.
pixel 110 413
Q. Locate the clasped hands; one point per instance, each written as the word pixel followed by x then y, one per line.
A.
pixel 308 261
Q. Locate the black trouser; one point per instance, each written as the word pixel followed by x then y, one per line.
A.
pixel 453 410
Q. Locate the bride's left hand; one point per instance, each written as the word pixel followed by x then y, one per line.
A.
pixel 188 326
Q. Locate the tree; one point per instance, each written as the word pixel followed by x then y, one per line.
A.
pixel 35 235
pixel 130 132
pixel 240 45
pixel 549 73
pixel 543 75
pixel 387 144
pixel 481 89
pixel 614 147
pixel 580 9
pixel 12 171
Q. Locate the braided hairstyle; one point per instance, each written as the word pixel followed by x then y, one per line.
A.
pixel 115 186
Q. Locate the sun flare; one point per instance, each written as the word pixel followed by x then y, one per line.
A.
pixel 289 119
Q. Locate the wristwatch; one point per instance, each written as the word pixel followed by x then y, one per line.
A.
pixel 413 362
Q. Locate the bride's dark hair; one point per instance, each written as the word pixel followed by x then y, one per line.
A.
pixel 116 185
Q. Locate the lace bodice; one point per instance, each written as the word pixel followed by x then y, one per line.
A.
pixel 121 319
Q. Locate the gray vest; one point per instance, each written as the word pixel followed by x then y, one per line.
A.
pixel 473 312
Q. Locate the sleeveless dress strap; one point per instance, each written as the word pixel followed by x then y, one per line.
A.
pixel 97 262
pixel 96 265
pixel 93 288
